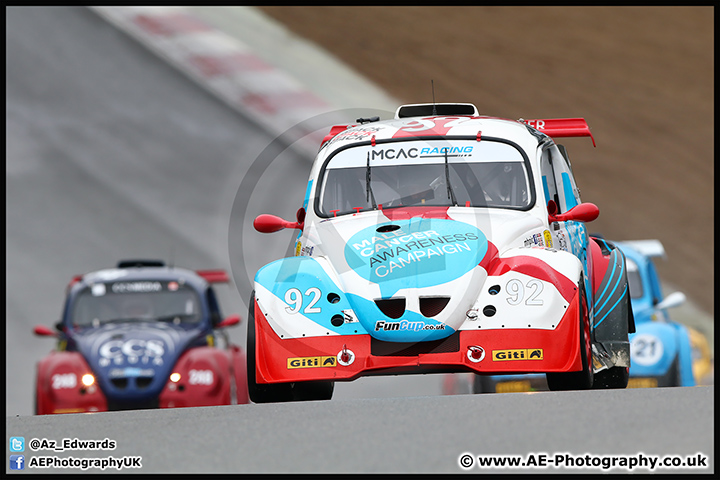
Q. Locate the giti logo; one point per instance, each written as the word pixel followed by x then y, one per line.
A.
pixel 517 354
pixel 311 362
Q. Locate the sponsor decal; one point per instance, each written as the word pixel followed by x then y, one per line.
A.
pixel 298 248
pixel 133 351
pixel 353 134
pixel 349 315
pixel 414 152
pixel 133 287
pixel 536 239
pixel 311 362
pixel 517 354
pixel 406 325
pixel 422 252
pixel 548 239
pixel 562 240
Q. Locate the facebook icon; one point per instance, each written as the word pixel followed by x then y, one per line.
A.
pixel 17 462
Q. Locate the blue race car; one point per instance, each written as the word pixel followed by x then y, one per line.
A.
pixel 661 350
pixel 142 335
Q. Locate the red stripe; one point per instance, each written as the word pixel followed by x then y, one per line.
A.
pixel 170 24
pixel 212 65
pixel 272 104
pixel 406 213
pixel 534 267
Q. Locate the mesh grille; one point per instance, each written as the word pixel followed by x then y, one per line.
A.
pixel 431 306
pixel 396 349
pixel 391 307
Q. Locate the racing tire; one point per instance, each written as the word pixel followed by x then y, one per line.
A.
pixel 261 393
pixel 583 379
pixel 313 390
pixel 615 377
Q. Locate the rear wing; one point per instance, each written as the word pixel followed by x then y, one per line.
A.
pixel 561 127
pixel 214 276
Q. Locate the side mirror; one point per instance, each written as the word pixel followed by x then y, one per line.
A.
pixel 673 300
pixel 43 331
pixel 585 212
pixel 229 321
pixel 270 223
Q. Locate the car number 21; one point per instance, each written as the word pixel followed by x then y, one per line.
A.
pixel 294 299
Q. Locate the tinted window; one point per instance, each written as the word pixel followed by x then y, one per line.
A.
pixel 136 301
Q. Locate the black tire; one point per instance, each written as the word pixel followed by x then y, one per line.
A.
pixel 483 384
pixel 261 393
pixel 313 390
pixel 582 380
pixel 615 377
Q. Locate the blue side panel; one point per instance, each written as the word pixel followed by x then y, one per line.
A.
pixel 653 347
pixel 545 188
pixel 687 378
pixel 568 191
pixel 307 290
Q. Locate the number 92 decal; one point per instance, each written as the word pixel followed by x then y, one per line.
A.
pixel 294 299
pixel 528 293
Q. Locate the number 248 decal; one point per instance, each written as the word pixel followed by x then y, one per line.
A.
pixel 294 299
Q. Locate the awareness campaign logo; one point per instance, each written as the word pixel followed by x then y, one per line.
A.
pixel 418 252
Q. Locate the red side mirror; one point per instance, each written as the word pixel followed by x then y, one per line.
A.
pixel 300 216
pixel 229 321
pixel 270 223
pixel 43 331
pixel 585 212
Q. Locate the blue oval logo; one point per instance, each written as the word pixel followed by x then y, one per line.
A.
pixel 422 252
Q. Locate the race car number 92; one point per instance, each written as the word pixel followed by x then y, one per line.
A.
pixel 517 292
pixel 294 299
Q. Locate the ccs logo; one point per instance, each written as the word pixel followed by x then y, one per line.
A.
pixel 517 354
pixel 311 362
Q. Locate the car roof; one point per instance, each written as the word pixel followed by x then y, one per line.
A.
pixel 466 123
pixel 198 280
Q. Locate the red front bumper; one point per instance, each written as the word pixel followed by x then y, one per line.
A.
pixel 503 352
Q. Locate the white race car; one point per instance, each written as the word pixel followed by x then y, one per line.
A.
pixel 440 241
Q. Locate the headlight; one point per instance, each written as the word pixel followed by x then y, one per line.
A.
pixel 88 379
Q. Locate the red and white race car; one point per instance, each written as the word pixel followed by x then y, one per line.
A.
pixel 440 241
pixel 142 335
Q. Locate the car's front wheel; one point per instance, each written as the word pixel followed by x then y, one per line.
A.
pixel 582 380
pixel 261 392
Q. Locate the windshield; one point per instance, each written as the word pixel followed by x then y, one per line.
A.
pixel 153 301
pixel 416 173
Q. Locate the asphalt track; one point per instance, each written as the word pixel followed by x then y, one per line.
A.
pixel 113 154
